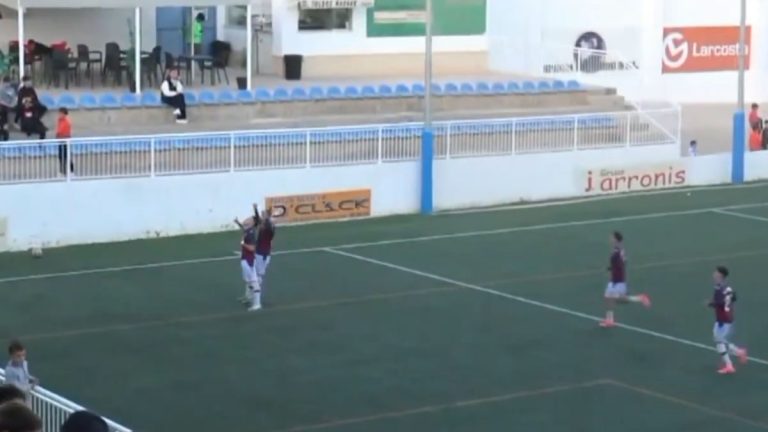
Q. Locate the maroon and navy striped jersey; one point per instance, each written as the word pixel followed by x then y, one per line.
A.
pixel 722 302
pixel 264 238
pixel 618 265
pixel 249 238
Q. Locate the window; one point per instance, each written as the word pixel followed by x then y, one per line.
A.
pixel 236 16
pixel 325 19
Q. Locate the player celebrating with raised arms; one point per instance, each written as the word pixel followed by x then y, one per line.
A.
pixel 616 292
pixel 722 301
pixel 264 237
pixel 248 262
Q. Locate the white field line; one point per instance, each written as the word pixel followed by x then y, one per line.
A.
pixel 389 242
pixel 528 301
pixel 741 215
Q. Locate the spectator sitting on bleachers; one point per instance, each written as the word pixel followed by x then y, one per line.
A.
pixel 10 393
pixel 30 122
pixel 18 417
pixel 172 94
pixel 28 95
pixel 84 421
pixel 8 99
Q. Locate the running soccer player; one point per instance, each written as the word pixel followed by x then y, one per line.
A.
pixel 248 266
pixel 266 233
pixel 616 292
pixel 722 301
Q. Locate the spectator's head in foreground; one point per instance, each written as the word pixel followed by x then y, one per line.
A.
pixel 84 421
pixel 17 417
pixel 11 393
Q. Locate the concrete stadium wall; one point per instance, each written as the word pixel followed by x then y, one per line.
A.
pixel 88 211
pixel 523 35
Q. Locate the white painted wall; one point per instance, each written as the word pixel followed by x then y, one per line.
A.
pixel 93 27
pixel 121 209
pixel 633 31
pixel 109 210
pixel 289 40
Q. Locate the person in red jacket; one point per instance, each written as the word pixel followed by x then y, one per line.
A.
pixel 756 138
pixel 64 132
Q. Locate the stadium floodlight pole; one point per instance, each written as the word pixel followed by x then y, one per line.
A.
pixel 20 23
pixel 739 118
pixel 427 137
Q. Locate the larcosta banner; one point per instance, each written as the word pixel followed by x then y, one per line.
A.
pixel 703 49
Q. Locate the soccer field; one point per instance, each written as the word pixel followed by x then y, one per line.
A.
pixel 483 321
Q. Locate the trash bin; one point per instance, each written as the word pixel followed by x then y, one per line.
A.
pixel 242 83
pixel 292 66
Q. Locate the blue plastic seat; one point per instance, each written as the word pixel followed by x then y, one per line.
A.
pixel 109 100
pixel 206 97
pixel 558 85
pixel 529 87
pixel 498 88
pixel 48 101
pixel 191 98
pixel 130 100
pixel 263 95
pixel 544 86
pixel 316 93
pixel 385 90
pixel 299 93
pixel 281 94
pixel 513 87
pixel 402 90
pixel 244 96
pixel 437 89
pixel 467 88
pixel 334 92
pixel 573 85
pixel 226 97
pixel 483 88
pixel 351 92
pixel 368 91
pixel 67 101
pixel 150 99
pixel 451 88
pixel 417 89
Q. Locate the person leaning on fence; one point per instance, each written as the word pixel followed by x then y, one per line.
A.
pixel 18 417
pixel 84 421
pixel 8 99
pixel 17 370
pixel 64 133
pixel 172 94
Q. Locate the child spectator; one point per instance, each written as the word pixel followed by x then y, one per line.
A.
pixel 17 370
pixel 64 133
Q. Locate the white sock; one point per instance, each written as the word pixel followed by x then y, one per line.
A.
pixel 733 350
pixel 177 112
pixel 609 315
pixel 248 291
pixel 256 298
pixel 634 299
pixel 722 349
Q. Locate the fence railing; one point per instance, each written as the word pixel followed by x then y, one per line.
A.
pixel 53 409
pixel 160 155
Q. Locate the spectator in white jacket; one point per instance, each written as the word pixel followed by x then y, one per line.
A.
pixel 172 94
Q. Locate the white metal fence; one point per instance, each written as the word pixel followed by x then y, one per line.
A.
pixel 159 155
pixel 53 409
